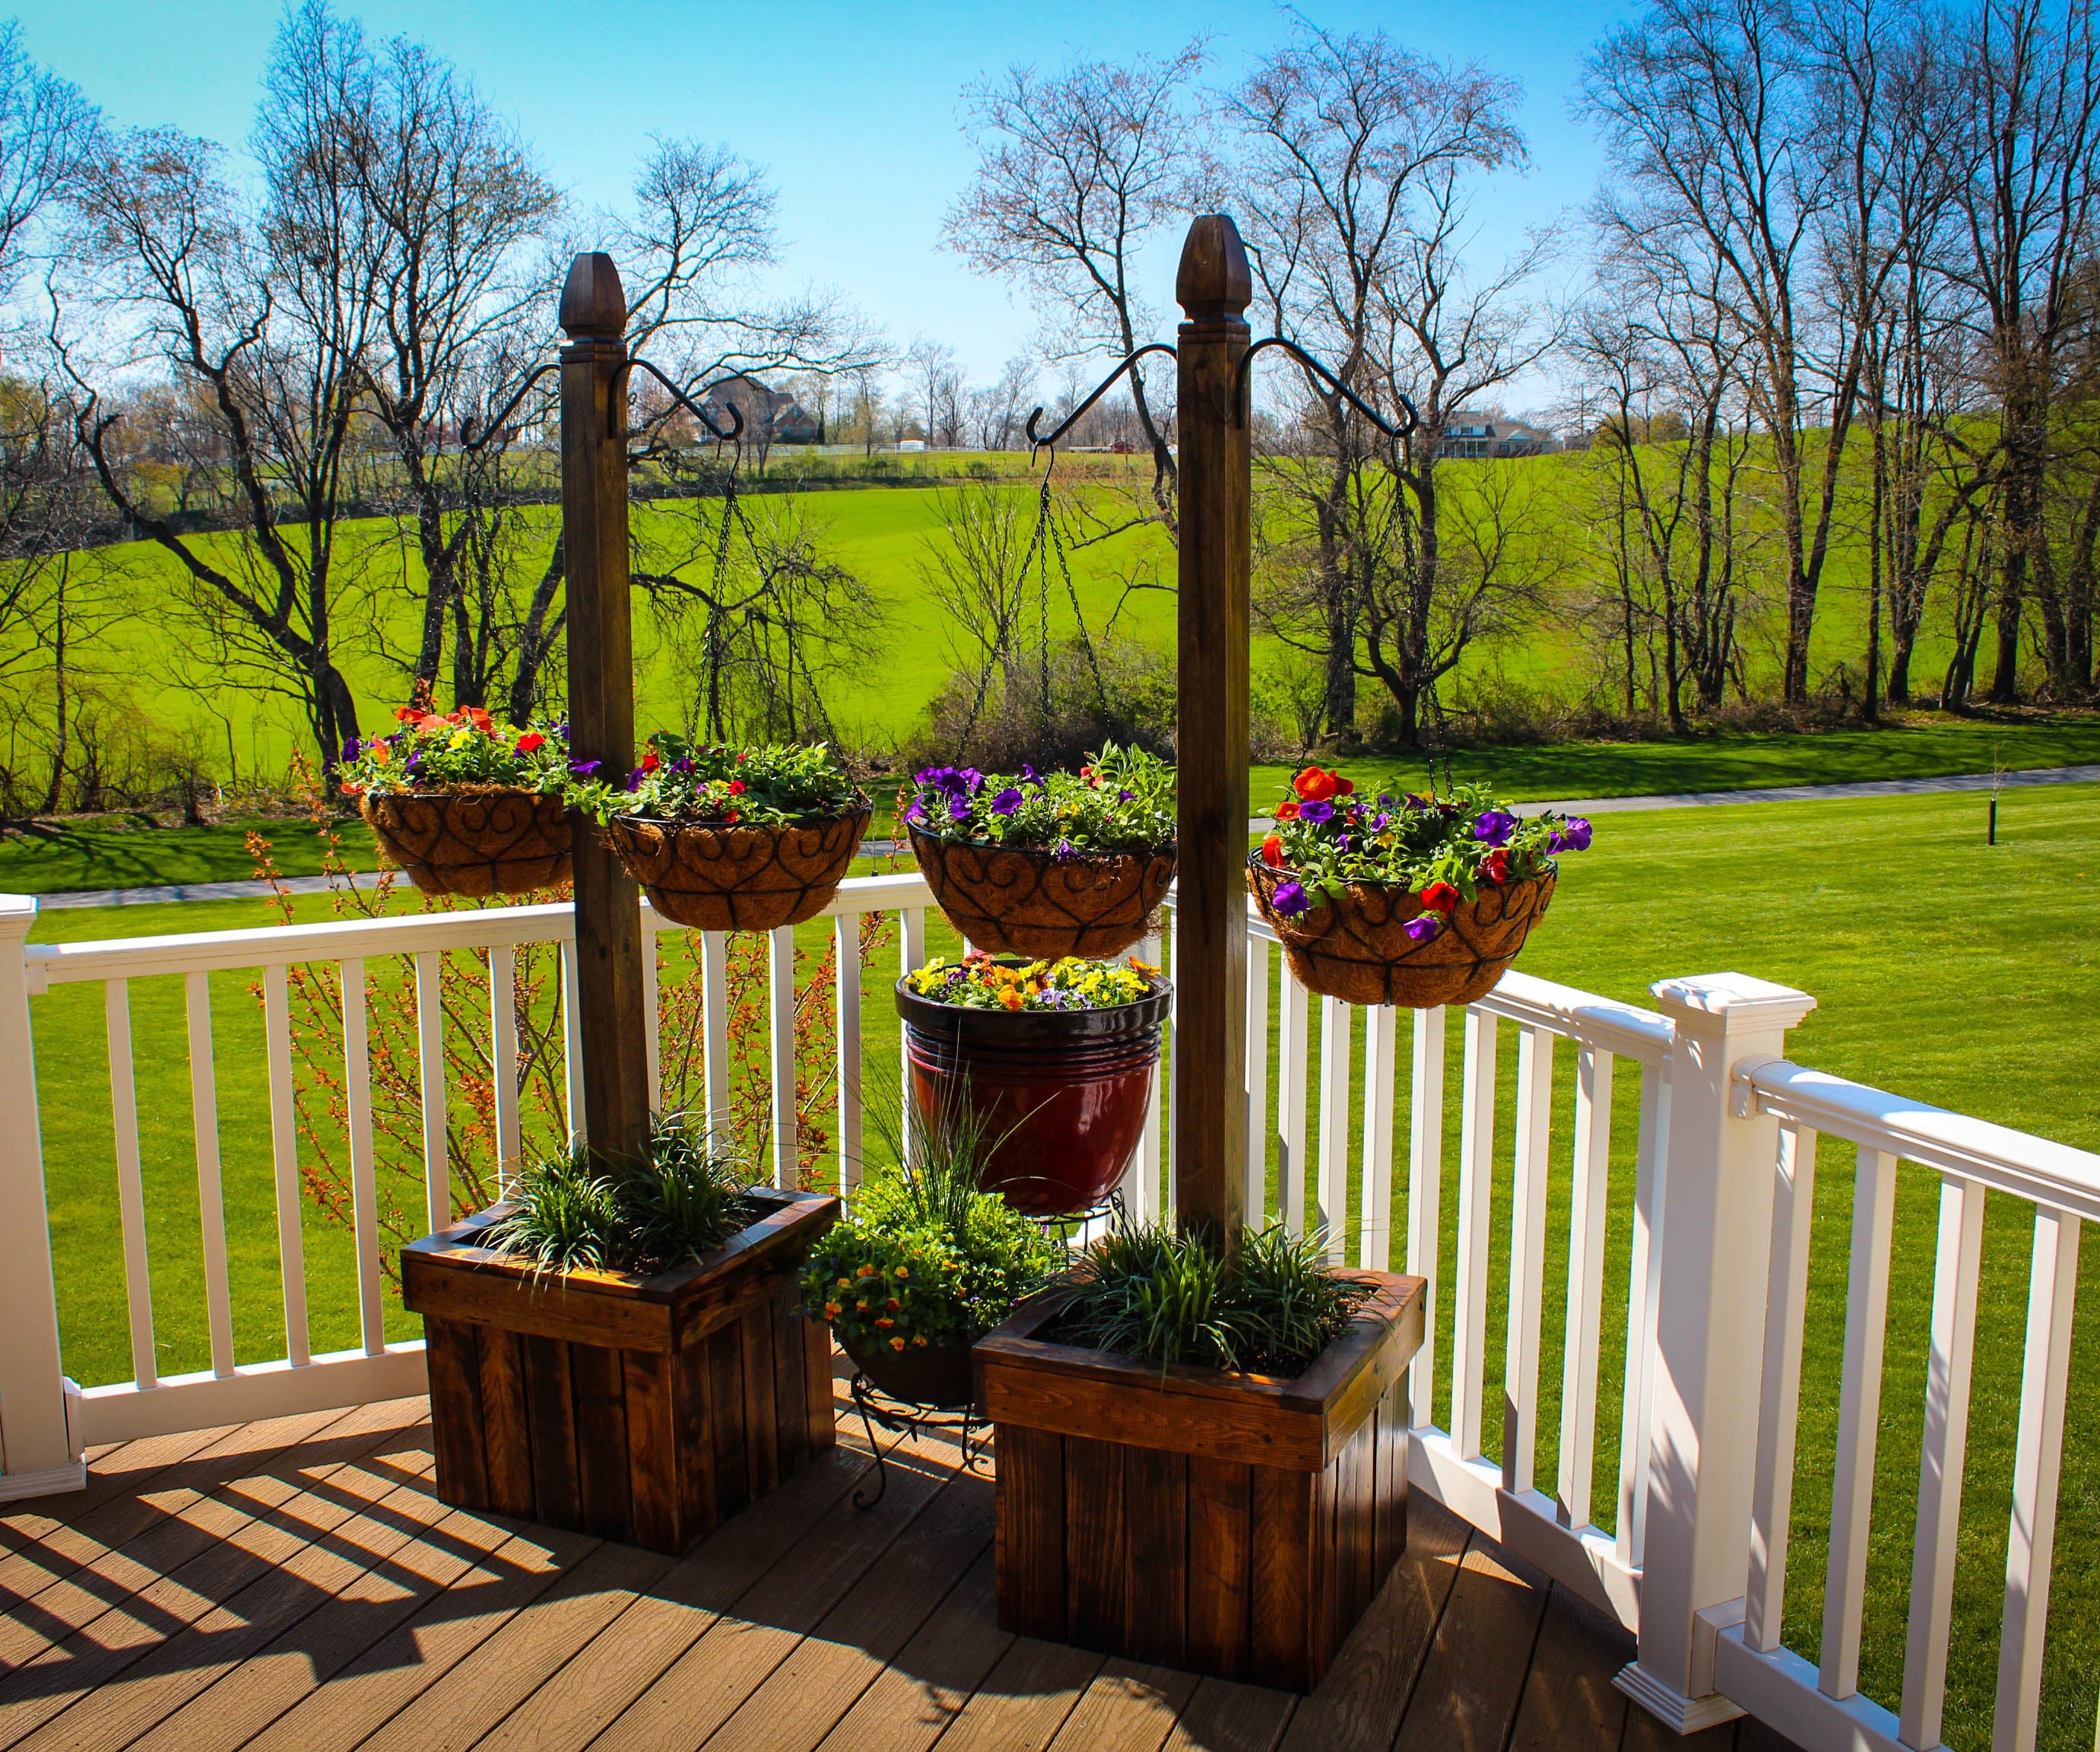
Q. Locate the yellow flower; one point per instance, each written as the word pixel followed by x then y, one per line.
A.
pixel 845 1283
pixel 460 738
pixel 864 1271
pixel 902 1273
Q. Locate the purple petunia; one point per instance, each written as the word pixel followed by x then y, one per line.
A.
pixel 1494 826
pixel 683 764
pixel 1379 821
pixel 585 769
pixel 1423 929
pixel 349 748
pixel 1006 802
pixel 1029 776
pixel 914 811
pixel 416 760
pixel 1290 899
pixel 1064 852
pixel 635 778
pixel 1573 835
pixel 1315 812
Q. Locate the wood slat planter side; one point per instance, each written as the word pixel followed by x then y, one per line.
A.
pixel 1232 1525
pixel 644 1409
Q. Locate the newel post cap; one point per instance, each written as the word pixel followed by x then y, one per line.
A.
pixel 1722 1003
pixel 1214 279
pixel 18 912
pixel 593 301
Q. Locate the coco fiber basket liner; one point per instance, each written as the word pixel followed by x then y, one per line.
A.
pixel 1357 948
pixel 472 843
pixel 1020 900
pixel 718 877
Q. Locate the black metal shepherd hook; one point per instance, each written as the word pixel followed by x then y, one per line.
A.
pixel 469 442
pixel 1037 440
pixel 1409 422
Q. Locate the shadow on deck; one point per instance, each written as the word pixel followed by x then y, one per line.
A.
pixel 295 1584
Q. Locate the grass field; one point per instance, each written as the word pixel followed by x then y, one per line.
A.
pixel 1943 969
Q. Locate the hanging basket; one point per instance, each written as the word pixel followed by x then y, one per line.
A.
pixel 1357 948
pixel 1025 901
pixel 718 877
pixel 474 843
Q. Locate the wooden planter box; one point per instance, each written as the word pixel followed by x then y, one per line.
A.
pixel 1232 1525
pixel 645 1410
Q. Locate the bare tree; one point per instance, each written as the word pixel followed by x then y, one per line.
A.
pixel 1364 158
pixel 1075 172
pixel 47 133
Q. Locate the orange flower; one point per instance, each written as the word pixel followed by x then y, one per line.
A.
pixel 476 716
pixel 1010 999
pixel 897 1344
pixel 831 1310
pixel 884 1320
pixel 1313 785
pixel 1287 810
pixel 1272 851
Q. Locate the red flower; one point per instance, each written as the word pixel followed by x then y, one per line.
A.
pixel 1313 785
pixel 530 740
pixel 1440 897
pixel 409 714
pixel 730 816
pixel 652 761
pixel 736 788
pixel 1272 851
pixel 476 716
pixel 1496 866
pixel 1345 787
pixel 1287 810
pixel 1086 773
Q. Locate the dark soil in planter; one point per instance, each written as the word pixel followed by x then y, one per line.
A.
pixel 1066 1091
pixel 1357 948
pixel 1020 900
pixel 472 842
pixel 1232 1525
pixel 719 876
pixel 937 1376
pixel 646 1409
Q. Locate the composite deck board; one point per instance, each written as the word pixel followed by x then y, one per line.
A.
pixel 296 1586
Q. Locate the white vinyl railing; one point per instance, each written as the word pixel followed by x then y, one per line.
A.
pixel 1689 1138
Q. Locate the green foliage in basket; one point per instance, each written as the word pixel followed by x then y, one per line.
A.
pixel 764 787
pixel 463 750
pixel 1120 800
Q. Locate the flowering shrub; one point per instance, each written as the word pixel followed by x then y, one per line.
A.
pixel 763 786
pixel 924 1258
pixel 463 750
pixel 979 982
pixel 1445 849
pixel 1120 800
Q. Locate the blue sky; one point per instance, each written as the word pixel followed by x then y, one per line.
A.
pixel 852 107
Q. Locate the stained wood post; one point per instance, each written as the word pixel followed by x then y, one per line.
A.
pixel 1213 288
pixel 610 991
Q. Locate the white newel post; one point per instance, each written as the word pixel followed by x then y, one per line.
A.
pixel 36 1454
pixel 1715 1243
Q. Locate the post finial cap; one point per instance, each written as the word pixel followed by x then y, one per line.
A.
pixel 1214 279
pixel 593 301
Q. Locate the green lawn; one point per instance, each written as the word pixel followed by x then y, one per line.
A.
pixel 121 851
pixel 1945 969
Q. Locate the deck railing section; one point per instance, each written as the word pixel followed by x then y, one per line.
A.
pixel 1724 1132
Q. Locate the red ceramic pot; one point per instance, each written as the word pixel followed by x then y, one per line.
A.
pixel 1066 1091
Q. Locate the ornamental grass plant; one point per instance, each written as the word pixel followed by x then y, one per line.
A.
pixel 1327 838
pixel 1145 1291
pixel 576 1212
pixel 1122 799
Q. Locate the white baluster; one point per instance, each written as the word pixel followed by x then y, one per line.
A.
pixel 1425 1200
pixel 652 1018
pixel 1942 1458
pixel 1333 1212
pixel 211 1207
pixel 572 1031
pixel 714 1026
pixel 1374 1223
pixel 1643 1270
pixel 1786 1306
pixel 845 941
pixel 503 1058
pixel 1477 1147
pixel 786 1129
pixel 431 1070
pixel 1291 1069
pixel 285 1153
pixel 1140 1181
pixel 131 1192
pixel 1162 1083
pixel 1534 1110
pixel 2037 1461
pixel 1586 1218
pixel 1859 1422
pixel 910 955
pixel 1257 1070
pixel 363 1184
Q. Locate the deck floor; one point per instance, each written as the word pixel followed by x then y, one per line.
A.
pixel 295 1584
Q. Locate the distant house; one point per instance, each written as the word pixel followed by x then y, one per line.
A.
pixel 1488 439
pixel 777 415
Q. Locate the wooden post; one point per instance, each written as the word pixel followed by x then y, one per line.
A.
pixel 610 991
pixel 1213 288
